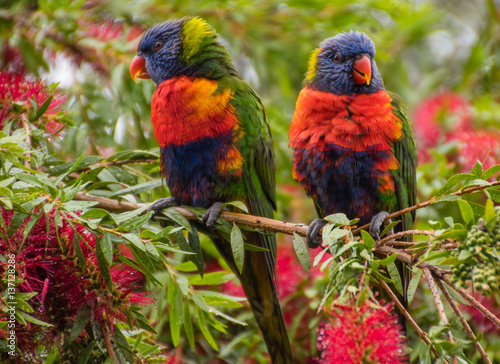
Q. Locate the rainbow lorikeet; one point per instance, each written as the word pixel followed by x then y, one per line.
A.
pixel 353 145
pixel 216 147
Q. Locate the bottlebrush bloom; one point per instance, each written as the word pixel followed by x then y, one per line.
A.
pixel 17 88
pixel 438 116
pixel 366 334
pixel 47 264
pixel 483 146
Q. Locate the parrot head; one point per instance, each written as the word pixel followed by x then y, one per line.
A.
pixel 344 65
pixel 187 46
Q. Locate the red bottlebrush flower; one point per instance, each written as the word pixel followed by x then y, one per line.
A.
pixel 480 321
pixel 483 146
pixel 436 117
pixel 12 59
pixel 46 263
pixel 365 334
pixel 16 88
pixel 104 32
pixel 134 32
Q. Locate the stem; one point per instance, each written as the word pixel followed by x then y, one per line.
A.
pixel 410 319
pixel 466 326
pixel 109 345
pixel 439 306
pixel 27 129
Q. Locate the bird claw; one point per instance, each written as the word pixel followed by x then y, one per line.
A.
pixel 376 223
pixel 211 215
pixel 161 204
pixel 313 235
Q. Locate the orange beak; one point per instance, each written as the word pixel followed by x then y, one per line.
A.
pixel 362 70
pixel 138 68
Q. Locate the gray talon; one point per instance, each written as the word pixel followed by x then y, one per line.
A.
pixel 211 215
pixel 161 204
pixel 376 223
pixel 313 235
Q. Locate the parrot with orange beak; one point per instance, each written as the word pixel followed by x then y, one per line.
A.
pixel 215 147
pixel 353 145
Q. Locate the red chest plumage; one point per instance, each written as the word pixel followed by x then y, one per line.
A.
pixel 357 123
pixel 185 110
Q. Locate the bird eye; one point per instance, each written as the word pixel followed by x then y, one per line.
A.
pixel 336 57
pixel 158 45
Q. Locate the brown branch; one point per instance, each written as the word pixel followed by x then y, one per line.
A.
pixel 473 301
pixel 109 345
pixel 466 326
pixel 439 306
pixel 429 202
pixel 420 332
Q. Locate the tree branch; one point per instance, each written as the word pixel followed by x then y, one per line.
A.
pixel 466 326
pixel 420 332
pixel 429 202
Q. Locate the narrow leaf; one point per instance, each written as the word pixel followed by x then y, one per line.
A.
pixel 174 295
pixel 301 251
pixel 412 287
pixel 237 247
pixel 396 278
pixel 466 211
pixel 368 239
pixel 490 216
pixel 107 248
pixel 188 326
pixel 202 322
pixel 103 265
pixel 82 318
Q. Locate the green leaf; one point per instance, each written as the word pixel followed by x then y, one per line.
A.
pixel 202 322
pixel 490 216
pixel 103 265
pixel 188 326
pixel 37 114
pixel 137 189
pixel 177 217
pixel 446 198
pixel 213 278
pixel 452 182
pixel 255 248
pixel 199 301
pixel 466 211
pixel 389 227
pixel 136 222
pixel 495 195
pixel 477 171
pixel 237 247
pixel 412 287
pixel 238 204
pixel 396 278
pixel 135 240
pixel 368 239
pixel 194 243
pixel 107 248
pixel 390 259
pixel 84 162
pixel 490 172
pixel 85 354
pixel 465 254
pixel 151 249
pixel 175 301
pixel 82 318
pixel 459 234
pixel 184 245
pixel 339 219
pixel 301 251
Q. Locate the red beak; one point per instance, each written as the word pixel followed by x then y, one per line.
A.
pixel 138 68
pixel 362 70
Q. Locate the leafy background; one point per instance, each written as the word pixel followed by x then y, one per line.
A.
pixel 442 57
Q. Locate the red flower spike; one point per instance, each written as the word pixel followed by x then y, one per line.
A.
pixel 367 334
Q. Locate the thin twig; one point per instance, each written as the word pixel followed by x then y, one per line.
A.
pixel 429 202
pixel 404 233
pixel 109 345
pixel 439 306
pixel 466 326
pixel 407 315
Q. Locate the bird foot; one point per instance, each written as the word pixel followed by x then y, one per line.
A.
pixel 313 235
pixel 376 223
pixel 161 204
pixel 211 215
